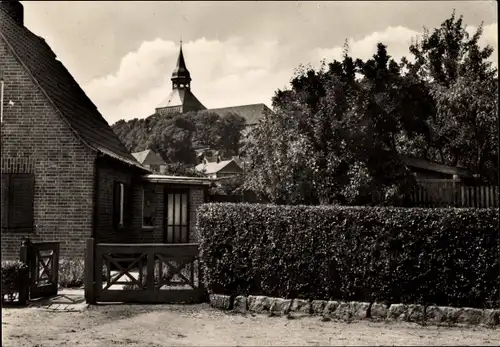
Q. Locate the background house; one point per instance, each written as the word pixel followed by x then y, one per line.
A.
pixel 151 160
pixel 65 175
pixel 440 185
pixel 219 168
pixel 425 170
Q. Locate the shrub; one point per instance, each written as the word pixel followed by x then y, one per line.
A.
pixel 391 255
pixel 14 278
pixel 71 272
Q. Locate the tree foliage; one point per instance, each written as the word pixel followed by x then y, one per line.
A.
pixel 337 135
pixel 464 88
pixel 176 136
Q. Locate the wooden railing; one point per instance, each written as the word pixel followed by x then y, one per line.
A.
pixel 144 273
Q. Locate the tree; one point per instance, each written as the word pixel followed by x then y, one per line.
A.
pixel 174 141
pixel 229 129
pixel 207 133
pixel 464 88
pixel 180 169
pixel 331 137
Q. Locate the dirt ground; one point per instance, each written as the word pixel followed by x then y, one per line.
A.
pixel 197 325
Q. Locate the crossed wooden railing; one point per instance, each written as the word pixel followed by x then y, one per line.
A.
pixel 143 273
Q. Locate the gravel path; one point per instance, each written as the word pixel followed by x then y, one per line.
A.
pixel 197 325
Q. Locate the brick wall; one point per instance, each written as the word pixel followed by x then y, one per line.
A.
pixel 156 234
pixel 196 198
pixel 109 171
pixel 34 136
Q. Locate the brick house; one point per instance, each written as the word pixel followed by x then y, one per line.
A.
pixel 65 175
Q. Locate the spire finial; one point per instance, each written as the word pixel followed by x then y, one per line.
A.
pixel 181 41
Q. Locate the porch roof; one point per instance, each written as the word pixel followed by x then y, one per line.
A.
pixel 193 181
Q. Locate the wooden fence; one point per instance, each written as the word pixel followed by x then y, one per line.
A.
pixel 143 273
pixel 447 193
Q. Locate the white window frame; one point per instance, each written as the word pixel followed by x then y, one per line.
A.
pixel 122 203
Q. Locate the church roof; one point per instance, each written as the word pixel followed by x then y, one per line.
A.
pixel 182 97
pixel 148 157
pixel 61 89
pixel 252 113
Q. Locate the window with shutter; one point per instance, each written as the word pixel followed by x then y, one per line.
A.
pixel 5 200
pixel 18 193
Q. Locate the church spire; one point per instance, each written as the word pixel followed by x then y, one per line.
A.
pixel 181 78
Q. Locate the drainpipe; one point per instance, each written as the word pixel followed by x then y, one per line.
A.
pixel 1 96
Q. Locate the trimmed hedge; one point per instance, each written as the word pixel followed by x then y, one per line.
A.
pixel 14 278
pixel 447 257
pixel 71 272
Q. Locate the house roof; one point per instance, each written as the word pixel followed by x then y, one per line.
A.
pixel 62 90
pixel 148 157
pixel 214 167
pixel 252 113
pixel 436 167
pixel 194 181
pixel 182 97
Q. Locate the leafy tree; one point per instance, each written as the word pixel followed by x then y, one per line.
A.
pixel 207 133
pixel 331 137
pixel 175 136
pixel 464 88
pixel 229 131
pixel 180 169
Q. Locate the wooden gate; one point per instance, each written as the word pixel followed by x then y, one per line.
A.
pixel 143 273
pixel 42 259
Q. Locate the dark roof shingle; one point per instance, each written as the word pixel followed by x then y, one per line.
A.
pixel 252 113
pixel 62 90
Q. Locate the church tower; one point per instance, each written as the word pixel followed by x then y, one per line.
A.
pixel 180 99
pixel 181 78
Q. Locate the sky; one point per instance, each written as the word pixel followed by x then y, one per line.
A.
pixel 122 53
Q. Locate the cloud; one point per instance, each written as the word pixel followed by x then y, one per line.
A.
pixel 230 72
pixel 226 73
pixel 397 39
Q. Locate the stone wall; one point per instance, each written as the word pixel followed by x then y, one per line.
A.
pixel 349 311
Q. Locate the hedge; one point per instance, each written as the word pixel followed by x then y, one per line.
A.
pixel 446 257
pixel 14 279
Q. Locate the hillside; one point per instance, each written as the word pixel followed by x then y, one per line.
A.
pixel 175 137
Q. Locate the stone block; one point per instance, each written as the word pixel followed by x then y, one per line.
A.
pixel 318 306
pixel 415 313
pixel 451 314
pixel 359 310
pixel 397 312
pixel 469 315
pixel 279 306
pixel 490 317
pixel 220 301
pixel 343 311
pixel 240 304
pixel 258 303
pixel 300 306
pixel 379 311
pixel 435 314
pixel 330 308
